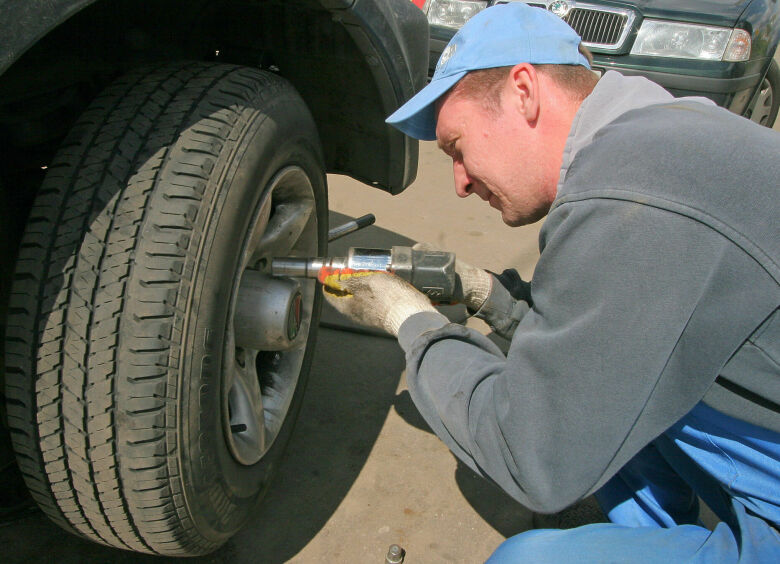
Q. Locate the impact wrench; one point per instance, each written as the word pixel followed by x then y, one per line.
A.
pixel 430 272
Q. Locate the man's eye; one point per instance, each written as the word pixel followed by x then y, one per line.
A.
pixel 450 148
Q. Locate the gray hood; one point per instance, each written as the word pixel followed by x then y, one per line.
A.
pixel 613 96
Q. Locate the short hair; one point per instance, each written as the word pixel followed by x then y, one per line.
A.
pixel 485 84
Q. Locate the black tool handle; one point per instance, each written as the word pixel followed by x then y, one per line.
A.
pixel 351 226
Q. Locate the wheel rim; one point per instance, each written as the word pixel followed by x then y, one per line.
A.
pixel 269 320
pixel 763 105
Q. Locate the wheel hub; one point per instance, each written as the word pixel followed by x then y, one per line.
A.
pixel 268 312
pixel 268 329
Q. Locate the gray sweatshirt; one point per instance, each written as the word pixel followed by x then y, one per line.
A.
pixel 657 287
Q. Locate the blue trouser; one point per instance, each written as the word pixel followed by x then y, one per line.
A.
pixel 653 501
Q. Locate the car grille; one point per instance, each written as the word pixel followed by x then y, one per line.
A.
pixel 599 26
pixel 593 26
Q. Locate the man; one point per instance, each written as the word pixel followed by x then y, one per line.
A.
pixel 645 353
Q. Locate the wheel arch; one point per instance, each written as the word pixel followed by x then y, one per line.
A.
pixel 353 62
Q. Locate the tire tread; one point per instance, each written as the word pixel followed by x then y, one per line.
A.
pixel 97 311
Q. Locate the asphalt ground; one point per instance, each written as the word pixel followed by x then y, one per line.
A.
pixel 363 470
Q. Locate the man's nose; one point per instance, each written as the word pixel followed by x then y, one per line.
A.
pixel 463 183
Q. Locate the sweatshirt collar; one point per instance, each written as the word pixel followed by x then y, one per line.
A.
pixel 613 96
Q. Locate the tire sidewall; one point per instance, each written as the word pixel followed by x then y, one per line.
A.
pixel 220 493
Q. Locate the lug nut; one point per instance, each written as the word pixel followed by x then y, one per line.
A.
pixel 395 555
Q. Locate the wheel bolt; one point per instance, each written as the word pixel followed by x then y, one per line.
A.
pixel 395 555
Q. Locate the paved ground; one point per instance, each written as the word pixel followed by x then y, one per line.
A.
pixel 363 470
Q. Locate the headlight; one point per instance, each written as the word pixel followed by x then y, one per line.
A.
pixel 690 41
pixel 452 13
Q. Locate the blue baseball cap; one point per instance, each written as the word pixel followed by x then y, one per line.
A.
pixel 500 36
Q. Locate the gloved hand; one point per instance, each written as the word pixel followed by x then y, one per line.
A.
pixel 474 284
pixel 372 298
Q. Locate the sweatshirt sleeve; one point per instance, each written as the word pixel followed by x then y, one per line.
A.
pixel 613 292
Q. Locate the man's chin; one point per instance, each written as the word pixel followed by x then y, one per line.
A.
pixel 509 220
pixel 512 222
pixel 515 221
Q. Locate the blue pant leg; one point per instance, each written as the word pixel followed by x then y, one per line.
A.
pixel 726 459
pixel 603 543
pixel 647 492
pixel 753 540
pixel 729 463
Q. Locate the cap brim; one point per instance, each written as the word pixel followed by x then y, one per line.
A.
pixel 417 118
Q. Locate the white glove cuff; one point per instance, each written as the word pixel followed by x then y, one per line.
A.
pixel 477 284
pixel 403 311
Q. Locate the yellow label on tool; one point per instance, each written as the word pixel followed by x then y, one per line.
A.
pixel 332 277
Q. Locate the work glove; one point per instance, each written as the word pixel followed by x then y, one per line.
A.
pixel 473 285
pixel 372 298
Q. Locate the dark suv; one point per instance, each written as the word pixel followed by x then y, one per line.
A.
pixel 721 49
pixel 155 156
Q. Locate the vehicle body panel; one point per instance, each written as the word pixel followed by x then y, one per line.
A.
pixel 389 38
pixel 730 84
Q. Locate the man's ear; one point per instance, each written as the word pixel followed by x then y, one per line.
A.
pixel 523 86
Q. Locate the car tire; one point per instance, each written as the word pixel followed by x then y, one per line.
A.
pixel 14 497
pixel 153 369
pixel 764 108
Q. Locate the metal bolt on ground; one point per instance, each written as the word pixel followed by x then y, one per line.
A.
pixel 395 554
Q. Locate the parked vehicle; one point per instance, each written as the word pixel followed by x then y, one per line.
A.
pixel 155 156
pixel 721 49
